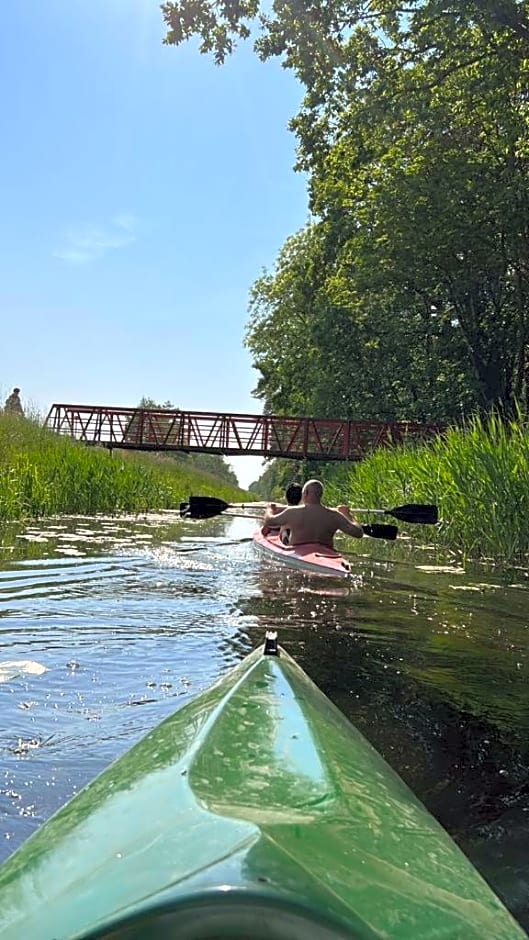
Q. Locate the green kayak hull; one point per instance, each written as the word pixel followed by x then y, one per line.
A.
pixel 256 811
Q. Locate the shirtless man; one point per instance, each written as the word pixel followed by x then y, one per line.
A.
pixel 312 522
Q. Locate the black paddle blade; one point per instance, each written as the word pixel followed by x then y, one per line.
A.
pixel 203 507
pixel 376 531
pixel 415 512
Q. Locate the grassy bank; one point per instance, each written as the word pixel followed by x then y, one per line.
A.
pixel 42 474
pixel 479 477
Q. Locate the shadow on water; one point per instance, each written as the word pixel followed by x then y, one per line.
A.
pixel 428 660
pixel 432 667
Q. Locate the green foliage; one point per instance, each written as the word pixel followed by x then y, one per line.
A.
pixel 432 211
pixel 274 480
pixel 281 335
pixel 219 23
pixel 146 402
pixel 214 464
pixel 408 297
pixel 324 351
pixel 478 476
pixel 42 474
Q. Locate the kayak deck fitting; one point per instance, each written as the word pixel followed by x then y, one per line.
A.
pixel 256 811
pixel 311 556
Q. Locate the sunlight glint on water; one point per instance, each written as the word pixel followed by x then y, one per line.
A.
pixel 107 626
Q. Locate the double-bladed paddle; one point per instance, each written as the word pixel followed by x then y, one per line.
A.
pixel 205 507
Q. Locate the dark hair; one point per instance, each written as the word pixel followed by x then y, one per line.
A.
pixel 293 493
pixel 16 390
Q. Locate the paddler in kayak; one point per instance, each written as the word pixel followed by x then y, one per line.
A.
pixel 293 497
pixel 311 521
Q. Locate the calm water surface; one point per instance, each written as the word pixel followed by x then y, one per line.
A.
pixel 108 625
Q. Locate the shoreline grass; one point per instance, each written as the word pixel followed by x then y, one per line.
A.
pixel 478 476
pixel 42 474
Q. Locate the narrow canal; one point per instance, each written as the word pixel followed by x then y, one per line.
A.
pixel 109 625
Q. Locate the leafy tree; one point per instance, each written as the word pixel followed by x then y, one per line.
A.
pixel 146 402
pixel 275 477
pixel 425 188
pixel 414 132
pixel 285 309
pixel 323 348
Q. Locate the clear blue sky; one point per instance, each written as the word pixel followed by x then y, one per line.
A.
pixel 142 192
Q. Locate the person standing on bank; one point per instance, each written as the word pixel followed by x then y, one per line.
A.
pixel 13 405
pixel 312 521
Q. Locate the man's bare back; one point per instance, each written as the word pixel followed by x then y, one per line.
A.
pixel 312 522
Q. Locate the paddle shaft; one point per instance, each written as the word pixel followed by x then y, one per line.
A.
pixel 374 531
pixel 201 548
pixel 205 507
pixel 375 512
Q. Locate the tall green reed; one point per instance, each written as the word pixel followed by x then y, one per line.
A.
pixel 478 475
pixel 42 474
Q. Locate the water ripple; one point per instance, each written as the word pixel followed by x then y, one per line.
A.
pixel 429 661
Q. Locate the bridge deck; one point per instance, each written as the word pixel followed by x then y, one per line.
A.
pixel 153 429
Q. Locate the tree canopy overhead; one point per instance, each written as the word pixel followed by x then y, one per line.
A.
pixel 408 296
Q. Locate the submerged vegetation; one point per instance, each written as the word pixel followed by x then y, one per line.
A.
pixel 42 474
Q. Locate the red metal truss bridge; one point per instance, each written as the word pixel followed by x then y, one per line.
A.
pixel 157 429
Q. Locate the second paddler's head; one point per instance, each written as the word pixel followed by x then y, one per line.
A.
pixel 293 494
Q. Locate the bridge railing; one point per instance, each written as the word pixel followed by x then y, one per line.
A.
pixel 230 434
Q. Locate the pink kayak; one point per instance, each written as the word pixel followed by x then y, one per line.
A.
pixel 311 556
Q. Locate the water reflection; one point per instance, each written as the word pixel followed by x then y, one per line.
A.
pixel 427 659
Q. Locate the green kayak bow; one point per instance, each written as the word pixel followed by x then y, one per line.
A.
pixel 256 811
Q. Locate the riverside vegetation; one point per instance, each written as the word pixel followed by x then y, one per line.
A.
pixel 407 291
pixel 42 474
pixel 478 475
